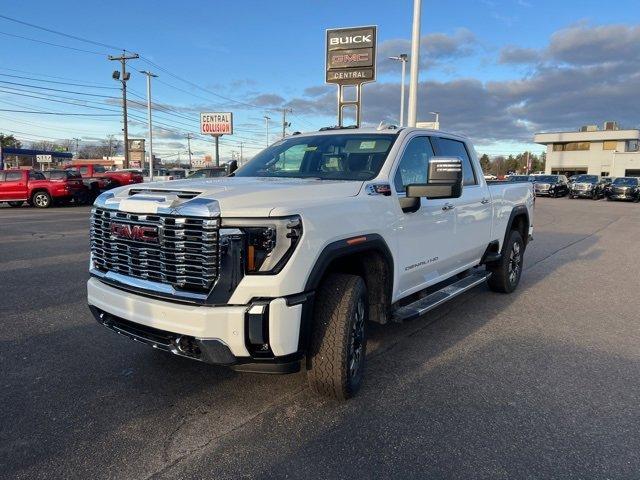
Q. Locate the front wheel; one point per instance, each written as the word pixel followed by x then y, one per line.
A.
pixel 41 200
pixel 339 341
pixel 507 271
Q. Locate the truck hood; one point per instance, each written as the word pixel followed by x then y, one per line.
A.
pixel 253 196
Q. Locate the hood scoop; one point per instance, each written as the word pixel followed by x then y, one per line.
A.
pixel 149 202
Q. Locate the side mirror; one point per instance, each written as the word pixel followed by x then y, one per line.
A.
pixel 232 166
pixel 444 180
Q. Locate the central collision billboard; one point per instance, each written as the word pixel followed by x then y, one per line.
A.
pixel 351 55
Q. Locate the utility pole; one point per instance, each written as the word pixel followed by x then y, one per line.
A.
pixel 403 57
pixel 284 121
pixel 189 147
pixel 123 76
pixel 415 64
pixel 266 120
pixel 149 75
pixel 77 140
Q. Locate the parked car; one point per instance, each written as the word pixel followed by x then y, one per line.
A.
pixel 211 172
pixel 107 178
pixel 586 186
pixel 281 266
pixel 607 181
pixel 519 178
pixel 550 185
pixel 70 181
pixel 19 186
pixel 624 188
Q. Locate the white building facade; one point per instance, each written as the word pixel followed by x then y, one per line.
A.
pixel 608 152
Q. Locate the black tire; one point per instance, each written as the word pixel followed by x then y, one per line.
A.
pixel 15 204
pixel 41 200
pixel 339 342
pixel 507 271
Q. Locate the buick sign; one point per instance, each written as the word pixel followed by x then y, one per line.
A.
pixel 351 55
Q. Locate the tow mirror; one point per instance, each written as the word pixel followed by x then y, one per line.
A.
pixel 444 180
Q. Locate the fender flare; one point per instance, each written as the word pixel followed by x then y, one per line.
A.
pixel 516 212
pixel 344 247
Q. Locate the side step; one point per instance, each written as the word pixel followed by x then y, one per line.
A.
pixel 431 301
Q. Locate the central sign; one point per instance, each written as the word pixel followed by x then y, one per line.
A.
pixel 351 55
pixel 216 123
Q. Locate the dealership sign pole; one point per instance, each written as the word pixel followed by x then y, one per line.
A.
pixel 350 62
pixel 216 124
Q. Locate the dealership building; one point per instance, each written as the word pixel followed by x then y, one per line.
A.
pixel 610 151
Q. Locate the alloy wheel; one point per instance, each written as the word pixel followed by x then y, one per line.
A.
pixel 356 340
pixel 515 263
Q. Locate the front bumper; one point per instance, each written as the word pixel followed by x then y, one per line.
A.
pixel 622 196
pixel 582 193
pixel 264 336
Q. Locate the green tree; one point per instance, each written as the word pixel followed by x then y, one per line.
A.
pixel 485 163
pixel 9 141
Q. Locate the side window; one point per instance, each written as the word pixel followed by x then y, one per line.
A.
pixel 84 170
pixel 13 176
pixel 36 176
pixel 414 164
pixel 455 148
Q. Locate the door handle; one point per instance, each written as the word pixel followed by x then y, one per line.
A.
pixel 448 206
pixel 484 201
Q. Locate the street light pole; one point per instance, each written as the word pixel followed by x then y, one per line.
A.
pixel 437 122
pixel 266 120
pixel 403 59
pixel 149 75
pixel 415 64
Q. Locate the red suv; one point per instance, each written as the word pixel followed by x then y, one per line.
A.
pixel 18 186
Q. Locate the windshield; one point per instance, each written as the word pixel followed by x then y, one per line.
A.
pixel 545 178
pixel 626 182
pixel 330 157
pixel 585 179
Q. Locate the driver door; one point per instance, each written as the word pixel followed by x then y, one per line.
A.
pixel 424 235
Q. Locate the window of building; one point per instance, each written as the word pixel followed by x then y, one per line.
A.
pixel 454 148
pixel 610 145
pixel 633 146
pixel 604 174
pixel 571 146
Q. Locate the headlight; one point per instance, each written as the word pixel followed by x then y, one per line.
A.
pixel 269 242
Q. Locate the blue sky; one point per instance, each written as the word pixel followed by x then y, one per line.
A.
pixel 486 64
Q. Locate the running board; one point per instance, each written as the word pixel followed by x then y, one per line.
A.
pixel 435 299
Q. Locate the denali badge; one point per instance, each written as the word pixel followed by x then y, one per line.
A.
pixel 134 232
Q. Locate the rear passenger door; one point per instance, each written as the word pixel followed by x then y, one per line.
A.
pixel 473 210
pixel 14 186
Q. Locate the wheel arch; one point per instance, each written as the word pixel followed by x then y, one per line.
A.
pixel 367 255
pixel 518 220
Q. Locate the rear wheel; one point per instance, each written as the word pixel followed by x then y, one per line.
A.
pixel 507 271
pixel 41 200
pixel 339 341
pixel 15 204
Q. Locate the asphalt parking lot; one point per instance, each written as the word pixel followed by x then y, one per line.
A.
pixel 544 383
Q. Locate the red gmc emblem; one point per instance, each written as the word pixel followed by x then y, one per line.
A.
pixel 134 232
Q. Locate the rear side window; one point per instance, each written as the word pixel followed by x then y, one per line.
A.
pixel 57 175
pixel 455 148
pixel 84 170
pixel 36 176
pixel 13 176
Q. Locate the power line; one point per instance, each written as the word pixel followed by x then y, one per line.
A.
pixel 50 43
pixel 74 37
pixel 52 76
pixel 61 113
pixel 56 89
pixel 53 81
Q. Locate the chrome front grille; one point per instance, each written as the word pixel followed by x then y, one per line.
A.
pixel 582 186
pixel 179 251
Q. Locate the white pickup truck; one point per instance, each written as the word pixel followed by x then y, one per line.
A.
pixel 282 265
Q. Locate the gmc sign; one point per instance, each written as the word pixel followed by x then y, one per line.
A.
pixel 140 233
pixel 351 55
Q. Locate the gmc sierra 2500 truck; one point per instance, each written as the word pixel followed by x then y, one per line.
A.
pixel 283 264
